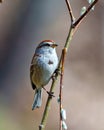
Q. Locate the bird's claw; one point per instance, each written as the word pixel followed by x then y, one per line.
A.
pixel 57 72
pixel 51 94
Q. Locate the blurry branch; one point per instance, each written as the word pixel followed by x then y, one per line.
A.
pixel 73 27
pixel 61 86
pixel 0 1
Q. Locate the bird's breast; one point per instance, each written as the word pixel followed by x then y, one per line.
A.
pixel 44 67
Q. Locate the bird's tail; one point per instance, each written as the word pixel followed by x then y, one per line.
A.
pixel 37 99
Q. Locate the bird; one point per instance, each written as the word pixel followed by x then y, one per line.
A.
pixel 43 66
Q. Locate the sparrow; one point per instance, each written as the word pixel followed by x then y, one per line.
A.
pixel 43 65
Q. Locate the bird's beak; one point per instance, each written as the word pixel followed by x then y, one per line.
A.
pixel 54 45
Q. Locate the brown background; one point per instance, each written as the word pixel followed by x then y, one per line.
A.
pixel 23 24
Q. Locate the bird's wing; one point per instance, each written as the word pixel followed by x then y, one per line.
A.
pixel 31 73
pixel 32 68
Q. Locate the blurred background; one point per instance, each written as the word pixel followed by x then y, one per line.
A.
pixel 23 24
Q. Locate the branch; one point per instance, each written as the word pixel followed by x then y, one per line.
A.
pixel 47 107
pixel 73 28
pixel 75 24
pixel 61 86
pixel 70 11
pixel 84 15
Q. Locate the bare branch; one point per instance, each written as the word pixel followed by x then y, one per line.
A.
pixel 61 85
pixel 73 28
pixel 70 11
pixel 84 15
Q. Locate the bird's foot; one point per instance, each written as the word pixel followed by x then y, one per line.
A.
pixel 51 94
pixel 57 72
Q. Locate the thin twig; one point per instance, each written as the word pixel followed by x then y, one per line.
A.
pixel 79 20
pixel 75 24
pixel 61 86
pixel 60 99
pixel 70 11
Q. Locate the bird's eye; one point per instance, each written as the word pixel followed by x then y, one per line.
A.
pixel 44 45
pixel 47 44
